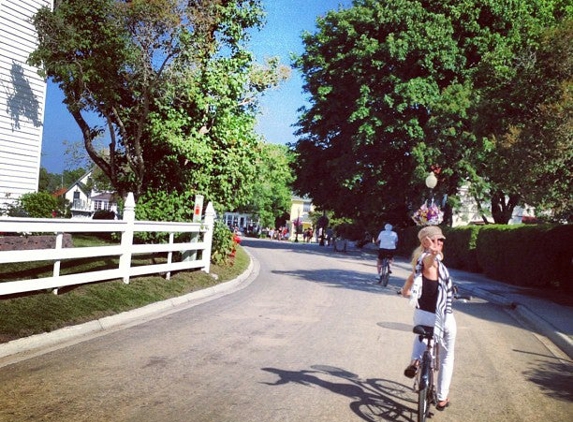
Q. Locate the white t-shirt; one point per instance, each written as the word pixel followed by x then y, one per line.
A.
pixel 388 239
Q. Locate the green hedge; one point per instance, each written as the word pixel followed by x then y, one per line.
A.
pixel 524 255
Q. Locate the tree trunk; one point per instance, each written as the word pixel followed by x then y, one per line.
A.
pixel 502 206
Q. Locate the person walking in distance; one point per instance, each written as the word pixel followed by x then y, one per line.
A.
pixel 431 292
pixel 387 241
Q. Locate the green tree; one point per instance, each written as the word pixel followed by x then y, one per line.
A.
pixel 393 86
pixel 48 182
pixel 172 83
pixel 270 195
pixel 528 114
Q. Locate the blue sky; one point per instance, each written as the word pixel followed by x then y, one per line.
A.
pixel 286 20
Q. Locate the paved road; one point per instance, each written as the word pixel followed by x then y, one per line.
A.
pixel 311 338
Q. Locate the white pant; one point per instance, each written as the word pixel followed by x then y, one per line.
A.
pixel 446 352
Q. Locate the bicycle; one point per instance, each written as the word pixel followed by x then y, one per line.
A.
pixel 384 272
pixel 426 376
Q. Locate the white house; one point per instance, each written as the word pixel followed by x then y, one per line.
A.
pixel 469 212
pixel 22 100
pixel 85 201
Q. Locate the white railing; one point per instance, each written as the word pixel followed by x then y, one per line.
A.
pixel 194 254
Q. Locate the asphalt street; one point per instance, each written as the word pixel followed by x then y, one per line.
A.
pixel 306 335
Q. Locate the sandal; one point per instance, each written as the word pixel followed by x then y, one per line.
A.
pixel 443 404
pixel 411 370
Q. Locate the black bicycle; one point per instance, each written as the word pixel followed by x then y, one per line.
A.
pixel 384 272
pixel 425 381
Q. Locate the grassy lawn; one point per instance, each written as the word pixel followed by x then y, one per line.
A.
pixel 39 312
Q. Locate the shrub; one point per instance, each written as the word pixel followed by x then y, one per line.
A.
pixel 460 250
pixel 223 244
pixel 527 255
pixel 38 204
pixel 104 215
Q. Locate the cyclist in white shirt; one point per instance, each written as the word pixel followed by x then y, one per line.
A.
pixel 387 241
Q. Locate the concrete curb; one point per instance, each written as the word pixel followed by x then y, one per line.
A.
pixel 528 317
pixel 145 313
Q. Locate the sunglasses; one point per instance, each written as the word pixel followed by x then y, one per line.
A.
pixel 441 240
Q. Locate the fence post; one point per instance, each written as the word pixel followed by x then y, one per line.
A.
pixel 197 211
pixel 209 222
pixel 57 263
pixel 127 237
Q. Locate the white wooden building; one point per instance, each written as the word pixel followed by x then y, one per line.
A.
pixel 85 201
pixel 22 100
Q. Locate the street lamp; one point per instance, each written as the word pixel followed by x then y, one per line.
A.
pixel 431 180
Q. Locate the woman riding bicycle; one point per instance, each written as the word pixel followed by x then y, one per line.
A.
pixel 431 291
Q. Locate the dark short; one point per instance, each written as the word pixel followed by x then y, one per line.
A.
pixel 386 253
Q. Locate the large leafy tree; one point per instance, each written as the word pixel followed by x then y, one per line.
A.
pixel 528 114
pixel 393 86
pixel 172 83
pixel 372 75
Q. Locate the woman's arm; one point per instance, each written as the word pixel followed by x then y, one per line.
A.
pixel 405 291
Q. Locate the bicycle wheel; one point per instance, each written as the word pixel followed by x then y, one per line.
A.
pixel 423 404
pixel 425 391
pixel 386 272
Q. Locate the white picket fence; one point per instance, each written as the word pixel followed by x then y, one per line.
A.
pixel 195 254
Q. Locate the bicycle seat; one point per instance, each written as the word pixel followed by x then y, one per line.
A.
pixel 424 330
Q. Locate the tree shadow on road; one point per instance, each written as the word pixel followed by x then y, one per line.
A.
pixel 345 279
pixel 373 399
pixel 553 377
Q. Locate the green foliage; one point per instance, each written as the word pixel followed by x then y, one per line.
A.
pixel 173 84
pixel 529 115
pixel 223 244
pixel 51 182
pixel 160 206
pixel 269 194
pixel 38 204
pixel 511 254
pixel 163 206
pixel 526 255
pixel 395 90
pixel 460 250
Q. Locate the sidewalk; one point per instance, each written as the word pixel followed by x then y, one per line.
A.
pixel 549 313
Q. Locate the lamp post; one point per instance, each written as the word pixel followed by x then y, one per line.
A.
pixel 322 223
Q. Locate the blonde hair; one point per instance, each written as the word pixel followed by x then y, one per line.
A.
pixel 416 255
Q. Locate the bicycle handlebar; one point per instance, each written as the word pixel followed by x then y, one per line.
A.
pixel 457 296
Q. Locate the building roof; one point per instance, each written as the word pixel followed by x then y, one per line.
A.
pixel 59 192
pixel 104 197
